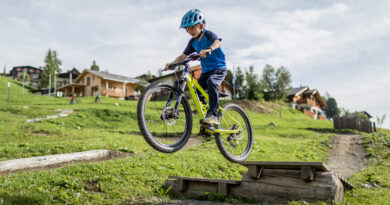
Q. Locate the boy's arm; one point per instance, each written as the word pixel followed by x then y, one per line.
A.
pixel 179 58
pixel 216 44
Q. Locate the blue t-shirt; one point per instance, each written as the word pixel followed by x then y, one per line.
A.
pixel 214 61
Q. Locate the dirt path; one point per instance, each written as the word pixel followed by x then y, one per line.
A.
pixel 347 155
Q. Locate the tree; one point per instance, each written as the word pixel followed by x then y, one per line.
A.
pixel 275 83
pixel 283 83
pixel 331 108
pixel 345 112
pixel 239 83
pixel 380 120
pixel 253 87
pixel 149 76
pixel 94 66
pixel 229 77
pixel 52 67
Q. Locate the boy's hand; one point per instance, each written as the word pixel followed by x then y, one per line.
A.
pixel 167 67
pixel 205 52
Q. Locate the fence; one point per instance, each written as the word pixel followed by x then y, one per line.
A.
pixel 353 123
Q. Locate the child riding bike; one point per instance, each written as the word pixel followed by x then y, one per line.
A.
pixel 208 45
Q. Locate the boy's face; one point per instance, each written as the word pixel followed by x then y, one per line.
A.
pixel 194 30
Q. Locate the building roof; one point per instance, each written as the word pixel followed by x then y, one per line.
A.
pixel 74 72
pixel 366 113
pixel 26 66
pixel 298 91
pixel 109 76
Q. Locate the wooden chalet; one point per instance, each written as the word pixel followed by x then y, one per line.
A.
pixel 92 83
pixel 307 101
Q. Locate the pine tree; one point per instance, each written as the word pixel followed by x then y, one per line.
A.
pixel 94 66
pixel 239 79
pixel 331 108
pixel 253 86
pixel 52 68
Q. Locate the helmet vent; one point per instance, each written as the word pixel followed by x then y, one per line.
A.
pixel 195 17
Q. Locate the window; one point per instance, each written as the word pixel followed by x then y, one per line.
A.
pixel 88 81
pixel 95 89
pixel 82 81
pixel 93 77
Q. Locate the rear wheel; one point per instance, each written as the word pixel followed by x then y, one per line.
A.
pixel 165 129
pixel 235 147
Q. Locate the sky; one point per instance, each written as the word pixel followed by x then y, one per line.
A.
pixel 338 47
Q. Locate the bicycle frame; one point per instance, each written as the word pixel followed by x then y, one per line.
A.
pixel 187 79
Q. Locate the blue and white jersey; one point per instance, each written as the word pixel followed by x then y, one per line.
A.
pixel 214 61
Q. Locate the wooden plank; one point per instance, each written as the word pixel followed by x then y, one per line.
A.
pixel 255 171
pixel 307 173
pixel 286 165
pixel 227 181
pixel 223 188
pixel 182 185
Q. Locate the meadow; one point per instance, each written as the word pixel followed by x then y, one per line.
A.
pixel 140 177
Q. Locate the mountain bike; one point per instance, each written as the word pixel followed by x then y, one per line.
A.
pixel 165 117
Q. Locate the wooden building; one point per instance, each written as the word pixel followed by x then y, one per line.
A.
pixel 34 73
pixel 67 77
pixel 91 83
pixel 226 89
pixel 307 101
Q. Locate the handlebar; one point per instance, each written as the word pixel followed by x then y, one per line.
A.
pixel 192 57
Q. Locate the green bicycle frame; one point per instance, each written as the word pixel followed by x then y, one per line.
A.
pixel 191 83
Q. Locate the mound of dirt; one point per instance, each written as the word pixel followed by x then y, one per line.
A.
pixel 259 107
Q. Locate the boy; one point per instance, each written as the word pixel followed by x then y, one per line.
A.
pixel 213 64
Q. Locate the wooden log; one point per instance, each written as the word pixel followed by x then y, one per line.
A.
pixel 307 173
pixel 278 185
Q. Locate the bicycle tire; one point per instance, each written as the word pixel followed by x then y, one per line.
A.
pixel 220 142
pixel 142 122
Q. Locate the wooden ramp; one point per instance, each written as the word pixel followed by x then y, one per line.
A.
pixel 275 182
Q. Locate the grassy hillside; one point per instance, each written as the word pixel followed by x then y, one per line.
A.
pixel 140 177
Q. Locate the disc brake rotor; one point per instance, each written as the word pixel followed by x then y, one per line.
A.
pixel 169 116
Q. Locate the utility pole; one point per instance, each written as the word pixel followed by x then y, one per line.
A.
pixel 49 84
pixel 23 82
pixel 9 90
pixel 55 84
pixel 234 83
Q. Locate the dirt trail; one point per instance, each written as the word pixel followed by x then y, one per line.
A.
pixel 347 155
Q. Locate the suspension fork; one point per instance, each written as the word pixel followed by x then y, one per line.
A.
pixel 180 90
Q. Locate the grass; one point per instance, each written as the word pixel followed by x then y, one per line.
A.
pixel 372 184
pixel 139 178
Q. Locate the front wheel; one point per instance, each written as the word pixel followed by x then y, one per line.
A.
pixel 235 147
pixel 164 128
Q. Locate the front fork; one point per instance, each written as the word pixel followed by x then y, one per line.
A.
pixel 180 94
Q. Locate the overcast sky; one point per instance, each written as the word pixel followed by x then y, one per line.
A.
pixel 339 47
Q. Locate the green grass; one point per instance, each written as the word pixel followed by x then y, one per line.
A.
pixel 372 184
pixel 138 178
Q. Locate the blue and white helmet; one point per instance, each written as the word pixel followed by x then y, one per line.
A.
pixel 192 17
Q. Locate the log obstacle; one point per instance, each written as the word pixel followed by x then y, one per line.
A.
pixel 270 182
